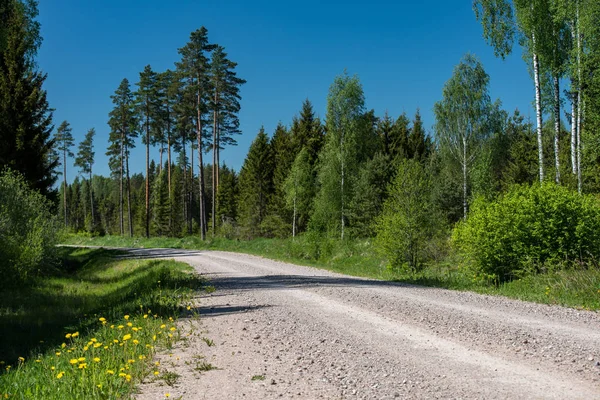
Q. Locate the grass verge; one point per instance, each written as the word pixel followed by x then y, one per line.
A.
pixel 572 288
pixel 89 331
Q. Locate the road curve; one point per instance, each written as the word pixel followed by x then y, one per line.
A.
pixel 287 331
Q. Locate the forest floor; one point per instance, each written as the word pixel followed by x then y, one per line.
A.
pixel 278 330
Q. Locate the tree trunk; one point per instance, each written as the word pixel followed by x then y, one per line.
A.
pixel 580 105
pixel 464 166
pixel 342 158
pixel 191 194
pixel 65 184
pixel 148 176
pixel 129 213
pixel 538 110
pixel 185 190
pixel 294 219
pixel 574 95
pixel 121 184
pixel 92 201
pixel 214 169
pixel 557 127
pixel 200 164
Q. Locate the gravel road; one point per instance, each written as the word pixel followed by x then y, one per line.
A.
pixel 286 331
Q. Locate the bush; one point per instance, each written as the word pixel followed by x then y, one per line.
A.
pixel 29 231
pixel 529 230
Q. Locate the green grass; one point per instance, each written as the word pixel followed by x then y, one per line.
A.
pixel 90 329
pixel 572 288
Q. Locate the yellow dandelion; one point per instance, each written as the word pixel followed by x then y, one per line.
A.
pixel 73 361
pixel 157 363
pixel 102 319
pixel 163 326
pixel 120 327
pixel 134 329
pixel 62 346
pixel 115 341
pixel 122 374
pixel 126 317
pixel 96 345
pixel 135 341
pixel 75 334
pixel 38 360
pixel 93 340
pixel 68 336
pixel 173 329
pixel 21 359
pixel 110 372
pixel 85 348
pixel 60 375
pixel 112 327
pixel 167 395
pixel 130 361
pixel 126 337
pixel 155 373
pixel 153 337
pixel 170 335
pixel 145 316
pixel 99 386
pixel 82 366
pixel 105 347
pixel 57 354
pixel 96 359
pixel 171 319
pixel 128 377
pixel 189 308
pixel 141 357
pixel 52 368
pixel 81 359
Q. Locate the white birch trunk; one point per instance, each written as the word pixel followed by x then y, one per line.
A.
pixel 464 165
pixel 538 110
pixel 342 159
pixel 557 128
pixel 580 105
pixel 574 96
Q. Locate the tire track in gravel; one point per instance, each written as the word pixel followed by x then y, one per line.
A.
pixel 318 334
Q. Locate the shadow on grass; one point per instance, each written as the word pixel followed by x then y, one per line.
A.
pixel 35 318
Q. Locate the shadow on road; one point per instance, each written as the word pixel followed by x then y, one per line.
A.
pixel 216 311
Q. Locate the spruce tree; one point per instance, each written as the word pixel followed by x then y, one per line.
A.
pixel 283 157
pixel 256 184
pixel 161 207
pixel 64 142
pixel 25 116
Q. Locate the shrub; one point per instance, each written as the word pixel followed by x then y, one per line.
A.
pixel 529 230
pixel 28 229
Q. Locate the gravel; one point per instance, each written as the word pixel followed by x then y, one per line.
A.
pixel 287 331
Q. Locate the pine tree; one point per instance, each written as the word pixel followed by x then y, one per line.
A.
pixel 123 124
pixel 194 67
pixel 256 184
pixel 225 104
pixel 418 143
pixel 85 162
pixel 147 113
pixel 64 142
pixel 399 139
pixel 227 196
pixel 26 144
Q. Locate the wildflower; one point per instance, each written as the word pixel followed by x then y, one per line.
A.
pixel 96 345
pixel 21 359
pixel 171 319
pixel 110 372
pixel 163 326
pixel 155 373
pixel 173 329
pixel 52 368
pixel 73 361
pixel 60 375
pixel 126 317
pixel 170 335
pixel 141 357
pixel 62 346
pixel 128 377
pixel 126 337
pixel 130 361
pixel 38 360
pixel 167 395
pixel 82 366
pixel 134 329
pixel 189 308
pixel 68 336
pixel 105 347
pixel 57 354
pixel 115 341
pixel 93 340
pixel 112 327
pixel 102 319
pixel 157 363
pixel 122 374
pixel 154 337
pixel 99 386
pixel 135 341
pixel 145 316
pixel 120 327
pixel 75 334
pixel 85 348
pixel 96 359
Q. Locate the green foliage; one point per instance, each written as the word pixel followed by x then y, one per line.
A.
pixel 161 205
pixel 256 184
pixel 26 144
pixel 409 220
pixel 28 230
pixel 530 230
pixel 299 189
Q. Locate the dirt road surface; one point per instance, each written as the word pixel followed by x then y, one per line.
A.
pixel 284 331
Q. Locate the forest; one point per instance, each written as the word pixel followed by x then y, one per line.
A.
pixel 512 196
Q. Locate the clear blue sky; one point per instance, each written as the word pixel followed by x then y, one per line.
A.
pixel 403 53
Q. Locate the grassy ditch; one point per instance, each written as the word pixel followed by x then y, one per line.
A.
pixel 90 329
pixel 576 288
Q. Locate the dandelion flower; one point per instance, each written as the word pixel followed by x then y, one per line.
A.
pixel 62 346
pixel 120 327
pixel 126 317
pixel 145 316
pixel 96 359
pixel 126 337
pixel 130 361
pixel 163 326
pixel 128 377
pixel 75 334
pixel 102 319
pixel 155 373
pixel 173 329
pixel 57 354
pixel 60 375
pixel 135 341
pixel 122 374
pixel 21 359
pixel 73 361
pixel 68 336
pixel 82 366
pixel 99 386
pixel 110 372
pixel 167 395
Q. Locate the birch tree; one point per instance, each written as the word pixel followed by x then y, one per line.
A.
pixel 298 188
pixel 461 116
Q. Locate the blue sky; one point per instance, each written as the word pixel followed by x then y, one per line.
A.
pixel 403 53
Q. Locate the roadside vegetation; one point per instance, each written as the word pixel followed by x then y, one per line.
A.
pixel 89 328
pixel 577 286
